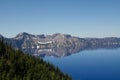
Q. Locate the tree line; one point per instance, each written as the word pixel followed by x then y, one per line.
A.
pixel 15 65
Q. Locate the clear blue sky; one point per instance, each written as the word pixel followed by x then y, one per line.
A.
pixel 83 18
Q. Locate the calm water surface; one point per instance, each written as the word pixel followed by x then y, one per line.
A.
pixel 98 64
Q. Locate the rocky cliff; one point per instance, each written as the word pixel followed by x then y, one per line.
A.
pixel 58 44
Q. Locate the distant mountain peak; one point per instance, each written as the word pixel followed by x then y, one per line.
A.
pixel 22 35
pixel 1 36
pixel 58 35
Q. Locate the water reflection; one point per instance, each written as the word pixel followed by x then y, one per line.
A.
pixel 100 64
pixel 62 52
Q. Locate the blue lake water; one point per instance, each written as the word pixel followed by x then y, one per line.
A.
pixel 101 64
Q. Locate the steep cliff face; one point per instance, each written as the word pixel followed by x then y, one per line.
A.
pixel 58 44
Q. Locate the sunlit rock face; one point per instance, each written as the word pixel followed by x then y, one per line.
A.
pixel 58 45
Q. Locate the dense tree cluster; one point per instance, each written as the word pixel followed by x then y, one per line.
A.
pixel 15 65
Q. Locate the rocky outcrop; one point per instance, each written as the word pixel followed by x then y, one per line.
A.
pixel 58 44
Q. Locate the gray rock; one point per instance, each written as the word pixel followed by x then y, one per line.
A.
pixel 58 44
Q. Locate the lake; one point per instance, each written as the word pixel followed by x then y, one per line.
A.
pixel 100 64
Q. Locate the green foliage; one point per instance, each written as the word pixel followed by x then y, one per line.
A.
pixel 15 65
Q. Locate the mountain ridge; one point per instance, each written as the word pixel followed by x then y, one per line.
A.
pixel 58 44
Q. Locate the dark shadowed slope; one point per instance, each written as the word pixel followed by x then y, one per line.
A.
pixel 14 65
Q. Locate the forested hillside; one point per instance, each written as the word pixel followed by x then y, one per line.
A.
pixel 15 65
